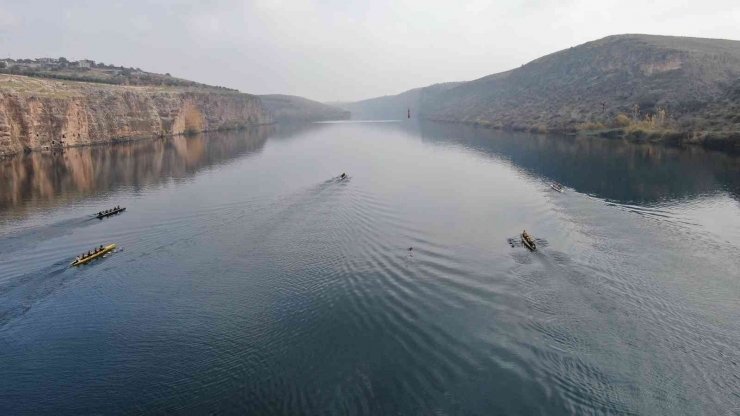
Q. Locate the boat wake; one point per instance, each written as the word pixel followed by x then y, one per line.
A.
pixel 27 238
pixel 19 295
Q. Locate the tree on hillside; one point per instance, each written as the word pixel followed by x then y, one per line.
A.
pixel 2 65
pixel 63 60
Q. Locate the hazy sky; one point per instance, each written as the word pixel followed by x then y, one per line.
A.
pixel 338 49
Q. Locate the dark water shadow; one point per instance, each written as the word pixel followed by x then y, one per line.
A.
pixel 615 170
pixel 49 179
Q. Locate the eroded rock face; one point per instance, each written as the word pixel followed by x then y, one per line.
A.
pixel 36 113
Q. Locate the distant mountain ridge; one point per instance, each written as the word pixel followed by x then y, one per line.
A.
pixel 395 106
pixel 651 86
pixel 290 108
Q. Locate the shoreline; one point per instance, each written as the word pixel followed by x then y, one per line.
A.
pixel 728 142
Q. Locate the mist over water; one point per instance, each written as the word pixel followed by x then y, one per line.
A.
pixel 250 279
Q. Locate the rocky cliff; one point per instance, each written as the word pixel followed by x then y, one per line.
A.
pixel 36 113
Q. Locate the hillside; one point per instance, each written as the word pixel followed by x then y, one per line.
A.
pixel 655 87
pixel 289 108
pixel 40 113
pixel 90 71
pixel 394 107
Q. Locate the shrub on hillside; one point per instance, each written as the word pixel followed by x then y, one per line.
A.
pixel 622 120
pixel 590 126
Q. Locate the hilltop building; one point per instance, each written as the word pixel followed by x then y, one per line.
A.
pixel 84 63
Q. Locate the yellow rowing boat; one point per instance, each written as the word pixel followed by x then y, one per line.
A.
pixel 529 242
pixel 100 253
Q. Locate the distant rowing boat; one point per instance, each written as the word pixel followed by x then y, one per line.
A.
pixel 556 187
pixel 115 211
pixel 91 257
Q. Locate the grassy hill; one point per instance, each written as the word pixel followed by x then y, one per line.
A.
pixel 653 87
pixel 289 108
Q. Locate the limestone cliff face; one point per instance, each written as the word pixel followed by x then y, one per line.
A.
pixel 36 113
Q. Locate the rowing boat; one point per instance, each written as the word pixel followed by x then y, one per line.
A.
pixel 557 188
pixel 100 253
pixel 530 244
pixel 102 215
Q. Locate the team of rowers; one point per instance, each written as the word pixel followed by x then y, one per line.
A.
pixel 108 211
pixel 527 237
pixel 90 253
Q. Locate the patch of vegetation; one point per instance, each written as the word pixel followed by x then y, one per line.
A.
pixel 100 73
pixel 590 126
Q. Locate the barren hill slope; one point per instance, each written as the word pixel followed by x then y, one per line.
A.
pixel 695 81
pixel 682 75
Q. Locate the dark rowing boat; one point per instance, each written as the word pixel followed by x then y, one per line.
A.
pixel 114 211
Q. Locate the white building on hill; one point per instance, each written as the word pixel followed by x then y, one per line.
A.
pixel 84 63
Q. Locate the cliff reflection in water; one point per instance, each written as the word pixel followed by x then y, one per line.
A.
pixel 54 178
pixel 630 173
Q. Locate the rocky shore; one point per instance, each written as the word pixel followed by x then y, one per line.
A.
pixel 37 113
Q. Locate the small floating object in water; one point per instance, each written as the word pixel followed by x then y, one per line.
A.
pixel 411 249
pixel 556 186
pixel 343 176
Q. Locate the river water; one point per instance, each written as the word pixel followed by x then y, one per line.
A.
pixel 249 279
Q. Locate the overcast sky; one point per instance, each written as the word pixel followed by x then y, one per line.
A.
pixel 338 49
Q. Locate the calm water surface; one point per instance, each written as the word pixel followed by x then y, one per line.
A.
pixel 249 279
